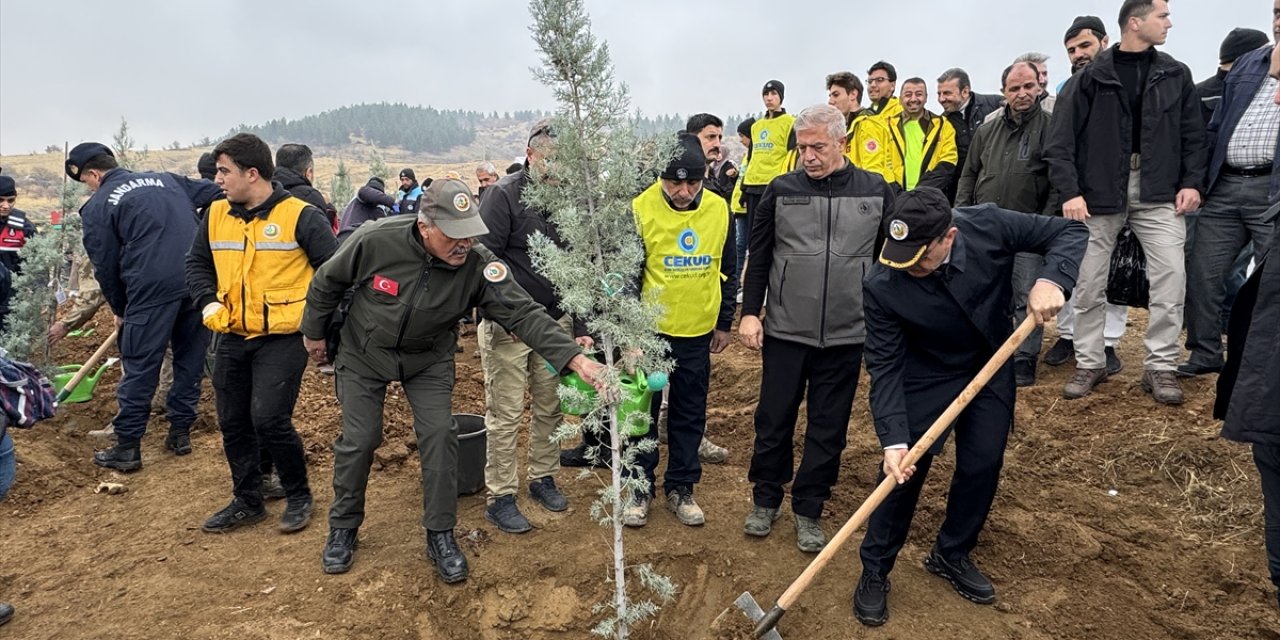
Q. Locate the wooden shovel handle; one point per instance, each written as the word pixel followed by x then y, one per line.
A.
pixel 922 445
pixel 88 365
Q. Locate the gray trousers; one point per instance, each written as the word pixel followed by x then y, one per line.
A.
pixel 1162 233
pixel 1230 220
pixel 430 396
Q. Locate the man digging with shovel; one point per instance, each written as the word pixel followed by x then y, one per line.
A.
pixel 937 308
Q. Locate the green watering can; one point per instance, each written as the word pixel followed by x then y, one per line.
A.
pixel 83 391
pixel 637 393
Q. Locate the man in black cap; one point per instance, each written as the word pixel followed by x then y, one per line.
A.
pixel 15 231
pixel 1244 181
pixel 409 193
pixel 688 245
pixel 937 309
pixel 138 227
pixel 400 329
pixel 1237 43
pixel 1084 40
pixel 811 244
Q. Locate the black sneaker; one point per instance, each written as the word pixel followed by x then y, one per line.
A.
pixel 871 600
pixel 577 457
pixel 122 457
pixel 6 612
pixel 506 516
pixel 1191 370
pixel 233 516
pixel 963 575
pixel 339 550
pixel 443 551
pixel 297 514
pixel 547 494
pixel 1114 365
pixel 1061 351
pixel 1024 372
pixel 271 487
pixel 179 442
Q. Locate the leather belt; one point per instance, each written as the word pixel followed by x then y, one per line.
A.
pixel 1252 172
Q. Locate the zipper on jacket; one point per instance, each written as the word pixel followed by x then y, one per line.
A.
pixel 826 274
pixel 413 300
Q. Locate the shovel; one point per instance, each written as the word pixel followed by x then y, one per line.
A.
pixel 88 366
pixel 765 622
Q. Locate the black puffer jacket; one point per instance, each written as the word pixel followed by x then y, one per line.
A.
pixel 301 188
pixel 1089 139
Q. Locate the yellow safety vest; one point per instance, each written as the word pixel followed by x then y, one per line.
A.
pixel 768 149
pixel 263 274
pixel 735 199
pixel 682 259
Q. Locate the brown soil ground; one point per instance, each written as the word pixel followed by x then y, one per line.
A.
pixel 1177 553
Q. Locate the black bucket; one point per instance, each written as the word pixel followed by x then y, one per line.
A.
pixel 471 453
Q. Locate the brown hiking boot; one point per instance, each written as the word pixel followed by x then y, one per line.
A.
pixel 1163 386
pixel 1083 382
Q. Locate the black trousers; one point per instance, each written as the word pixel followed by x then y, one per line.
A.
pixel 980 434
pixel 1267 457
pixel 256 383
pixel 830 376
pixel 686 415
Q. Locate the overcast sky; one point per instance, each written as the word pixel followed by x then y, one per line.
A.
pixel 181 69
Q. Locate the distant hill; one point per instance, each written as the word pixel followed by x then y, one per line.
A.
pixel 415 129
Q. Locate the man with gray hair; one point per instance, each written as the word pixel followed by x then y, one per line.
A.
pixel 815 231
pixel 486 176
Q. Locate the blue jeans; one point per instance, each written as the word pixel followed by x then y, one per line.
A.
pixel 8 464
pixel 743 231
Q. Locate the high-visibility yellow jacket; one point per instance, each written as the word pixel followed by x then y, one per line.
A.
pixel 770 142
pixel 263 273
pixel 886 111
pixel 866 146
pixel 684 251
pixel 938 162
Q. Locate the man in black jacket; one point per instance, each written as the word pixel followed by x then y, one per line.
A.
pixel 937 309
pixel 295 171
pixel 370 203
pixel 812 241
pixel 966 110
pixel 1128 145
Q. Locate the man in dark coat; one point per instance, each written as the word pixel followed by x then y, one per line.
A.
pixel 1250 382
pixel 371 203
pixel 937 308
pixel 295 171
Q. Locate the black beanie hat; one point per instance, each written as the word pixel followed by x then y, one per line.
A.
pixel 8 187
pixel 744 127
pixel 689 162
pixel 207 166
pixel 377 183
pixel 1092 23
pixel 1239 42
pixel 775 85
pixel 408 173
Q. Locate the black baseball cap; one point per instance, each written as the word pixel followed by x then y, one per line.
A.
pixel 83 153
pixel 918 217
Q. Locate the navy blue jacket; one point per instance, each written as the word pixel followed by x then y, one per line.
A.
pixel 1250 381
pixel 137 230
pixel 927 337
pixel 1239 88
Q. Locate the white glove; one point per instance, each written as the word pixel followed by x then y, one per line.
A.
pixel 211 309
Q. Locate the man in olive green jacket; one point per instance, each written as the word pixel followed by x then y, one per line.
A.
pixel 414 278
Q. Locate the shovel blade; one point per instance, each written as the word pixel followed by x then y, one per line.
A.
pixel 747 603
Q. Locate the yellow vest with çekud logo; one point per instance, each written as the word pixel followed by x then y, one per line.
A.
pixel 768 149
pixel 263 273
pixel 682 259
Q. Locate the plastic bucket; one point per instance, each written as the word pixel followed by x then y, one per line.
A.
pixel 472 452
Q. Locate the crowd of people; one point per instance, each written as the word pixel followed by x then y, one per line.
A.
pixel 887 235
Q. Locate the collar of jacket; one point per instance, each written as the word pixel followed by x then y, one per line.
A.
pixel 263 210
pixel 693 206
pixel 768 115
pixel 289 178
pixel 844 170
pixel 957 258
pixel 1103 67
pixel 1009 121
pixel 926 122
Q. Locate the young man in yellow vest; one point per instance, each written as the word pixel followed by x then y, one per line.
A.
pixel 771 141
pixel 867 138
pixel 882 82
pixel 689 245
pixel 924 143
pixel 248 271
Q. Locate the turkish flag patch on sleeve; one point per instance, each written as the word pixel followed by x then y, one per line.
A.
pixel 386 285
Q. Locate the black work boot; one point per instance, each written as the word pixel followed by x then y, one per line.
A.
pixel 871 600
pixel 577 457
pixel 297 513
pixel 178 441
pixel 125 456
pixel 1024 372
pixel 339 550
pixel 966 578
pixel 443 550
pixel 546 493
pixel 506 516
pixel 233 516
pixel 1061 351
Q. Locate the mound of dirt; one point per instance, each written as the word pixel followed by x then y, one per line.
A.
pixel 1116 518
